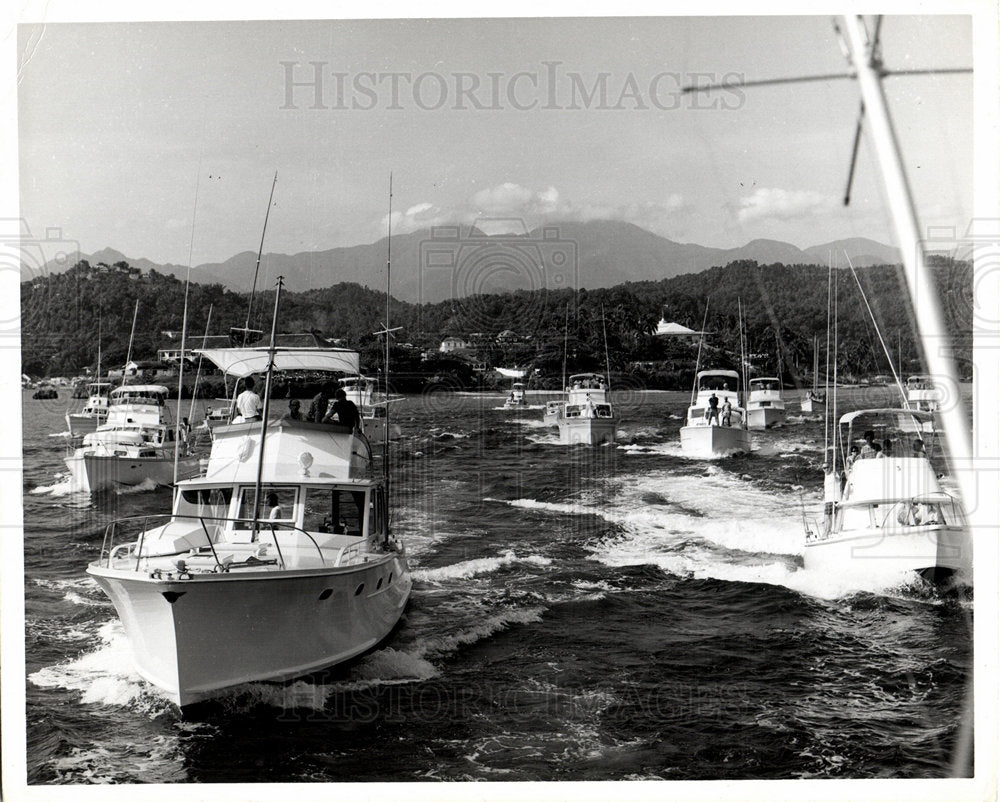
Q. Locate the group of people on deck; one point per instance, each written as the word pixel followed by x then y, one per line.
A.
pixel 249 406
pixel 869 449
pixel 712 413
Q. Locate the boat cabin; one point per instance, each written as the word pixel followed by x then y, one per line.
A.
pixel 897 433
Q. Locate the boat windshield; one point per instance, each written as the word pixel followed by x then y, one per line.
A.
pixel 275 503
pixel 764 384
pixel 920 383
pixel 129 396
pixel 334 510
pixel 716 381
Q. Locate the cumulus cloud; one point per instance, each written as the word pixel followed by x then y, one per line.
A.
pixel 512 208
pixel 783 204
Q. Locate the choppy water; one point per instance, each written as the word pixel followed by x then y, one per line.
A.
pixel 578 613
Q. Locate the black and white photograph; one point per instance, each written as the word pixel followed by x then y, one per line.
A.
pixel 536 396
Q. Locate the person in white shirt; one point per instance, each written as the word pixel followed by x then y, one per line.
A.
pixel 248 403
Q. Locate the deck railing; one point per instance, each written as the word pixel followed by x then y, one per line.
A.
pixel 110 552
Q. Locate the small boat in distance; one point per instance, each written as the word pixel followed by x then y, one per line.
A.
pixel 584 415
pixel 94 412
pixel 705 434
pixel 885 509
pixel 361 390
pixel 923 394
pixel 276 562
pixel 765 406
pixel 136 444
pixel 515 398
pixel 815 399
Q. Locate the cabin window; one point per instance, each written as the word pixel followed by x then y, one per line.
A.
pixel 336 510
pixel 205 502
pixel 273 504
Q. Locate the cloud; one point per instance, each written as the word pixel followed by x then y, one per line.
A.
pixel 513 208
pixel 783 204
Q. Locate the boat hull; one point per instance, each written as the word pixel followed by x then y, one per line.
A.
pixel 197 637
pixel 764 417
pixel 587 431
pixel 714 441
pixel 935 551
pixel 92 472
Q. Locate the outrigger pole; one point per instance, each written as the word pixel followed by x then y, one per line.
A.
pixel 267 406
pixel 388 335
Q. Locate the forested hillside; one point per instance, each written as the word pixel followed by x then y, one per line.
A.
pixel 784 307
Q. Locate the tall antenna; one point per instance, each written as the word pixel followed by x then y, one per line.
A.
pixel 260 252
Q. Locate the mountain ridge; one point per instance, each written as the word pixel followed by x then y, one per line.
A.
pixel 458 261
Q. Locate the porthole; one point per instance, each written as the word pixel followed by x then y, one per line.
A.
pixel 326 594
pixel 360 589
pixel 390 577
pixel 379 585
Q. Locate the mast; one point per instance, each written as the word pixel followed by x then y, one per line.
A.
pixel 267 406
pixel 100 314
pixel 565 345
pixel 923 294
pixel 744 369
pixel 260 252
pixel 826 375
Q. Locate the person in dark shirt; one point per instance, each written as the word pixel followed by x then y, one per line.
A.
pixel 320 402
pixel 345 411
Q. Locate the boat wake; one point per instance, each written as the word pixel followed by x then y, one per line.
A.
pixel 481 565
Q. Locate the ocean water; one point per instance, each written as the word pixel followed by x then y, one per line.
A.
pixel 610 613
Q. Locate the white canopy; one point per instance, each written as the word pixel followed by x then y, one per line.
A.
pixel 664 329
pixel 242 362
pixel 511 373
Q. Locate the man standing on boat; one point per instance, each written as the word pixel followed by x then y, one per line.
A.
pixel 248 403
pixel 345 411
pixel 712 413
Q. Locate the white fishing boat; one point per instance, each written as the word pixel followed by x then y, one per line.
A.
pixel 706 434
pixel 219 414
pixel 584 415
pixel 765 406
pixel 136 444
pixel 887 509
pixel 515 398
pixel 371 404
pixel 276 562
pixel 922 393
pixel 94 412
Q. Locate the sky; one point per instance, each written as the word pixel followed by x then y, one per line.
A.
pixel 161 139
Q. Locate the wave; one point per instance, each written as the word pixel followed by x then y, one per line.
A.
pixel 470 568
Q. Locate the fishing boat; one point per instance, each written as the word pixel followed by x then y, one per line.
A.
pixel 765 406
pixel 515 398
pixel 706 435
pixel 276 562
pixel 584 415
pixel 922 393
pixel 886 509
pixel 815 398
pixel 94 412
pixel 136 444
pixel 219 414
